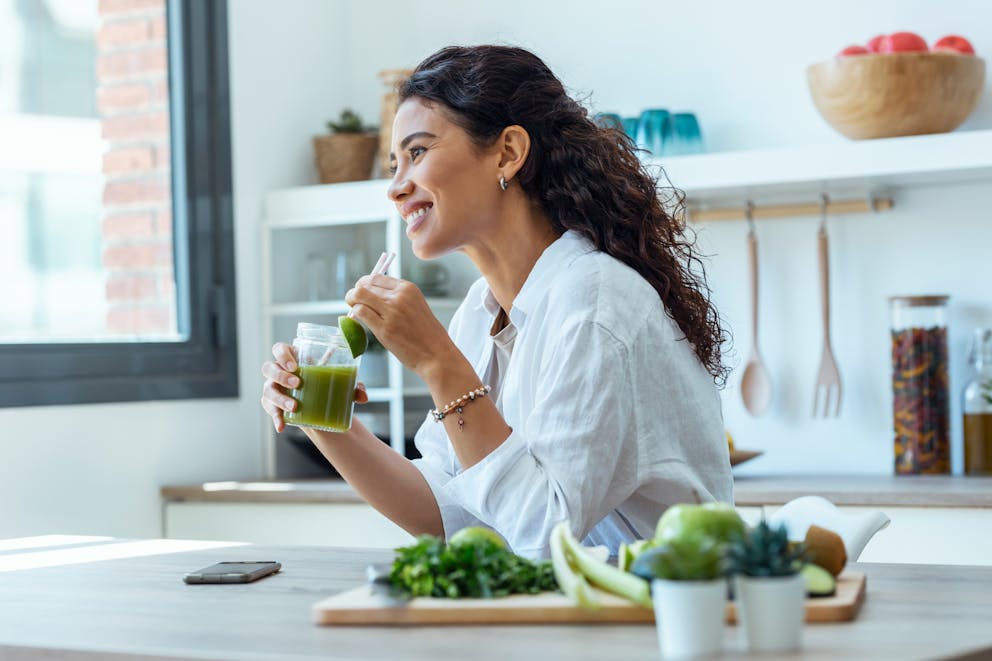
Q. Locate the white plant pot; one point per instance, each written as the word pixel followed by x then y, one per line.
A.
pixel 689 616
pixel 770 611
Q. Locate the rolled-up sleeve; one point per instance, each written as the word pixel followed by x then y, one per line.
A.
pixel 573 459
pixel 454 516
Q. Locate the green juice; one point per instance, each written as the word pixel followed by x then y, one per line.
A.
pixel 325 398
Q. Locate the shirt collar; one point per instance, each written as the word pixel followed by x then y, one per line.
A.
pixel 554 259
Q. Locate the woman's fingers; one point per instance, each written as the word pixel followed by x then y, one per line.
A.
pixel 275 372
pixel 279 375
pixel 273 412
pixel 284 355
pixel 275 396
pixel 364 298
pixel 367 316
pixel 381 282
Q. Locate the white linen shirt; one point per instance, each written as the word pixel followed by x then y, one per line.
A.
pixel 613 417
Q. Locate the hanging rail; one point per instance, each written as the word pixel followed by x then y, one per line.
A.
pixel 759 211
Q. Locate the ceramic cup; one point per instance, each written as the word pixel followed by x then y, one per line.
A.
pixel 431 277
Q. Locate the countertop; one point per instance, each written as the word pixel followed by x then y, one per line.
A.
pixel 866 490
pixel 97 598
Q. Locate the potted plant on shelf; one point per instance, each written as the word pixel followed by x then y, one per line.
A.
pixel 348 152
pixel 769 590
pixel 689 594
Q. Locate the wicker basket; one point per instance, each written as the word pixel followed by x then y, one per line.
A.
pixel 392 78
pixel 345 156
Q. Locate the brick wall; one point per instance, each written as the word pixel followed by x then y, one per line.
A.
pixel 133 104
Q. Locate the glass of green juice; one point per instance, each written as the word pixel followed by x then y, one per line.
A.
pixel 328 375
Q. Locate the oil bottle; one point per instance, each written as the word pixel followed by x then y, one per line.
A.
pixel 977 407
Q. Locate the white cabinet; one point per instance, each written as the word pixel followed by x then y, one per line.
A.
pixel 316 241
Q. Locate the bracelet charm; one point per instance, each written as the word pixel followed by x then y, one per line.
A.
pixel 458 405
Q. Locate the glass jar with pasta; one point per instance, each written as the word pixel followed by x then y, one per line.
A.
pixel 920 385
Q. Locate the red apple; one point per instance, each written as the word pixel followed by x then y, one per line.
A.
pixel 875 43
pixel 954 43
pixel 853 50
pixel 903 42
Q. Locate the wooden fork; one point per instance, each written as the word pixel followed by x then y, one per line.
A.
pixel 828 387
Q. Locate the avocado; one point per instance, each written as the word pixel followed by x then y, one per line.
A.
pixel 819 582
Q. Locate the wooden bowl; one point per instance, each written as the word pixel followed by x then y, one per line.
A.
pixel 882 96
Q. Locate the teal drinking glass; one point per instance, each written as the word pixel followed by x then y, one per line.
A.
pixel 684 136
pixel 651 130
pixel 630 126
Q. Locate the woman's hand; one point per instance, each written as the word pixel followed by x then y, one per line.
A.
pixel 398 315
pixel 279 376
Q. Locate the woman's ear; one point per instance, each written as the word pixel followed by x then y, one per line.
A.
pixel 513 146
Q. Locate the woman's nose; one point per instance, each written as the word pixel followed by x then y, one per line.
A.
pixel 399 188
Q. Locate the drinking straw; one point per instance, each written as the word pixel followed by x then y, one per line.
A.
pixel 381 266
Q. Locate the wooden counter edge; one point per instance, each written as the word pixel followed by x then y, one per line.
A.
pixel 243 492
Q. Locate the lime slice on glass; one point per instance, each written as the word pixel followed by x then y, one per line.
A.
pixel 354 334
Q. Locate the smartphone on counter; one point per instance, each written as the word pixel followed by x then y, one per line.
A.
pixel 237 571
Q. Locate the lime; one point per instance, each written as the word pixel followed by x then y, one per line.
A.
pixel 354 334
pixel 476 535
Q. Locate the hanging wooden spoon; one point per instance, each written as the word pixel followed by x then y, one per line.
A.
pixel 756 387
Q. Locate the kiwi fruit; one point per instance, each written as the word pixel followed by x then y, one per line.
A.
pixel 826 549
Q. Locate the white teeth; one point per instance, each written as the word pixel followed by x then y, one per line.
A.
pixel 417 214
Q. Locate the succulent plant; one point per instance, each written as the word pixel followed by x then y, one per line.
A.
pixel 688 559
pixel 763 551
pixel 349 122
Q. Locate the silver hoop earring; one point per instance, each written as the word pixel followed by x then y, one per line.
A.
pixel 503 183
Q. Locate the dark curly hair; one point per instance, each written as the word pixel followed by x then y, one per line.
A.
pixel 586 178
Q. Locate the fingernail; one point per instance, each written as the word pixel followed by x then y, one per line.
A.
pixel 291 366
pixel 291 404
pixel 294 382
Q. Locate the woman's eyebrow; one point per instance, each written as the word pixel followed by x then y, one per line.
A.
pixel 410 138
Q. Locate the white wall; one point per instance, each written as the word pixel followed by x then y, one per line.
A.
pixel 295 63
pixel 741 67
pixel 97 469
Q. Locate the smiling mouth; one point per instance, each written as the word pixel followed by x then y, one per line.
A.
pixel 416 219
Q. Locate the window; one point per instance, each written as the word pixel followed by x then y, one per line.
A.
pixel 115 201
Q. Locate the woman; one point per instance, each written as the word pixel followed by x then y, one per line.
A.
pixel 576 380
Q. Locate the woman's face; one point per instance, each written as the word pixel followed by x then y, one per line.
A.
pixel 444 187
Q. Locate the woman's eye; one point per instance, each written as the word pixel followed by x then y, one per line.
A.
pixel 392 170
pixel 415 152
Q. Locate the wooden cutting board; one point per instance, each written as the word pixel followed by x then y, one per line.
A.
pixel 361 607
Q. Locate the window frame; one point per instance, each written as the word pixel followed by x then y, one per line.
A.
pixel 205 364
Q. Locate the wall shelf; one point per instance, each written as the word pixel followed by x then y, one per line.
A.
pixel 351 203
pixel 854 168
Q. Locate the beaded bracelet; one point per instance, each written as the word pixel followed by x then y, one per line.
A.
pixel 457 404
